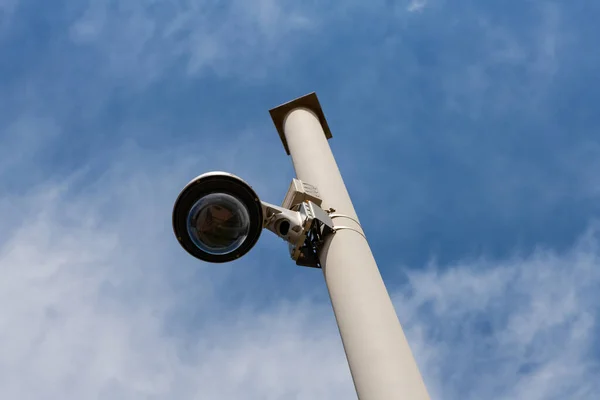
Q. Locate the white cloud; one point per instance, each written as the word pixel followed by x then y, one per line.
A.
pixel 416 5
pixel 92 277
pixel 141 41
pixel 7 9
pixel 521 328
pixel 88 298
pixel 24 137
pixel 92 280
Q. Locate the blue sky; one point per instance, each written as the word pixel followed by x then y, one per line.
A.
pixel 467 133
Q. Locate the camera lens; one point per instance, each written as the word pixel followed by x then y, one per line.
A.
pixel 218 223
pixel 284 227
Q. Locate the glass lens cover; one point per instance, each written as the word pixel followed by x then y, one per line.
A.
pixel 218 223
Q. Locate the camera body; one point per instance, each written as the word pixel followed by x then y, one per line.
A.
pixel 218 217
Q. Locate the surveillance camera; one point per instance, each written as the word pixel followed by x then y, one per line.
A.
pixel 217 217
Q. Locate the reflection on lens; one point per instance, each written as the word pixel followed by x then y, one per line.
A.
pixel 218 223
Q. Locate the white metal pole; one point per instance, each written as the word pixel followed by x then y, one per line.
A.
pixel 378 354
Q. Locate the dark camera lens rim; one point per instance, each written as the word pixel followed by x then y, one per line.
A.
pixel 216 183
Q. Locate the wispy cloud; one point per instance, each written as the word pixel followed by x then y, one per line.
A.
pixel 135 40
pixel 416 5
pixel 109 109
pixel 523 328
pixel 7 9
pixel 90 307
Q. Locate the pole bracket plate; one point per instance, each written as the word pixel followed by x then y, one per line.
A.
pixel 310 101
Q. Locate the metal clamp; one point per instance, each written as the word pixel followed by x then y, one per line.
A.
pixel 338 215
pixel 341 227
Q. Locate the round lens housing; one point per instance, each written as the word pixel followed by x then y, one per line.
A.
pixel 218 223
pixel 217 217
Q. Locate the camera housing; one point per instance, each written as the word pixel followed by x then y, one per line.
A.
pixel 218 218
pixel 246 229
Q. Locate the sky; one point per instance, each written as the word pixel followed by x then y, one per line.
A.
pixel 467 133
